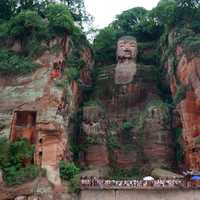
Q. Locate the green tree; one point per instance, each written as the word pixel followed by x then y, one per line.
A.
pixel 165 13
pixel 25 24
pixel 135 22
pixel 188 10
pixel 78 11
pixel 188 3
pixel 126 21
pixel 7 8
pixel 105 46
pixel 10 8
pixel 60 19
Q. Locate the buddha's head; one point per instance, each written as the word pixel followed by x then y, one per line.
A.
pixel 127 49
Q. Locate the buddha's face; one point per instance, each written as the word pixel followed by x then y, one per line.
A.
pixel 126 49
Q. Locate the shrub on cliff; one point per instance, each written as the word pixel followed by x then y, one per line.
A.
pixel 74 184
pixel 12 64
pixel 4 149
pixel 120 174
pixel 14 176
pixel 197 140
pixel 112 142
pixel 13 157
pixel 72 73
pixel 20 151
pixel 75 61
pixel 192 45
pixel 127 126
pixel 68 170
pixel 179 95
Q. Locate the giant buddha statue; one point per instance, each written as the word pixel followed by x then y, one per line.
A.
pixel 126 93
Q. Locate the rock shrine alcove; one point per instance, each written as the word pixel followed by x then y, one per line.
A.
pixel 24 126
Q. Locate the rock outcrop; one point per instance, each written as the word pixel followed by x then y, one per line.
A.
pixel 185 86
pixel 34 107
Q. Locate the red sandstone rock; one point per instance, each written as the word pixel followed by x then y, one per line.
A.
pixel 125 160
pixel 97 155
pixel 189 109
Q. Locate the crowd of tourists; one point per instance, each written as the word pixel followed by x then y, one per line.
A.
pixel 94 182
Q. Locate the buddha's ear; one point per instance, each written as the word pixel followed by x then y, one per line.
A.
pixel 135 53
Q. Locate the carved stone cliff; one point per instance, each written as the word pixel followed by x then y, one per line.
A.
pixel 126 124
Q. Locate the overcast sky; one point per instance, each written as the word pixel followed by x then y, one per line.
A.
pixel 104 11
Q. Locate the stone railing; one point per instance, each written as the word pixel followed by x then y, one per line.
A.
pixel 98 183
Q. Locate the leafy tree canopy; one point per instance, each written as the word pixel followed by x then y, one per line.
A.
pixel 78 11
pixel 105 45
pixel 26 23
pixel 60 19
pixel 146 26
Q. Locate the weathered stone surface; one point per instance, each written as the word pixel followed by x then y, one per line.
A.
pixel 93 123
pixel 125 160
pixel 97 172
pixel 125 72
pixel 91 113
pixel 188 76
pixel 22 190
pixel 17 46
pixel 97 155
pixel 87 57
pixel 21 93
pixel 44 190
pixel 158 144
pixel 1 177
pixel 165 174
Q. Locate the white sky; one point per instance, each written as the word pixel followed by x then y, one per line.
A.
pixel 104 11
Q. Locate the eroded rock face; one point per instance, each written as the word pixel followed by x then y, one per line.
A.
pixel 35 108
pixel 40 189
pixel 97 155
pixel 158 144
pixel 94 134
pixel 36 119
pixel 187 78
pixel 188 71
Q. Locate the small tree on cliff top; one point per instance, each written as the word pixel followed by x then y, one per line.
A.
pixel 25 24
pixel 60 19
